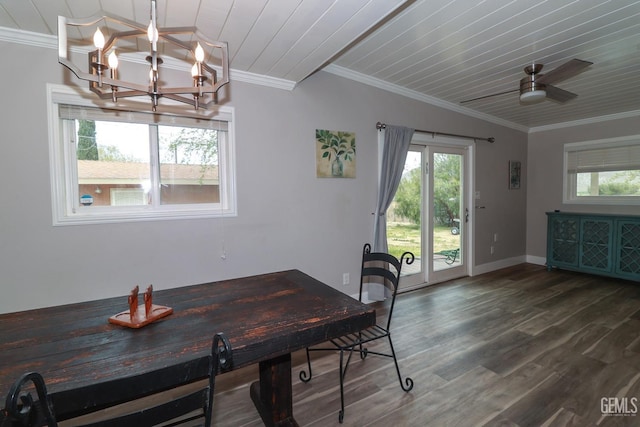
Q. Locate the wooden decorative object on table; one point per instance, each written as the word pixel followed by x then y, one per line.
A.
pixel 133 303
pixel 136 317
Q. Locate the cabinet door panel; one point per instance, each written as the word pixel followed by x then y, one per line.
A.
pixel 564 236
pixel 628 249
pixel 595 243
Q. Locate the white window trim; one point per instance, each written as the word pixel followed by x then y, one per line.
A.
pixel 62 174
pixel 568 185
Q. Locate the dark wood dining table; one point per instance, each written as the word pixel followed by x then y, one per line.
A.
pixel 265 317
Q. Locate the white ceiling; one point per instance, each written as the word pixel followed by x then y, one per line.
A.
pixel 439 51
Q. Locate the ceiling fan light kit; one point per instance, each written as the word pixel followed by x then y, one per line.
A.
pixel 533 96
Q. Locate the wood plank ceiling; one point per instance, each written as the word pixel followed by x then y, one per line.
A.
pixel 439 51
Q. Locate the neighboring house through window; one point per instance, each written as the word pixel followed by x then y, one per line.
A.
pixel 113 165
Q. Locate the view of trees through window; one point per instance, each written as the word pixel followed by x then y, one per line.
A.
pixel 619 183
pixel 602 171
pixel 446 195
pixel 87 145
pixel 404 219
pixel 115 164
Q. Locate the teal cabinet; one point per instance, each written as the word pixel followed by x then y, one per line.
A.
pixel 597 244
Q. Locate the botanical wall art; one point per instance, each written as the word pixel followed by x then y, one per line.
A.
pixel 335 154
pixel 514 174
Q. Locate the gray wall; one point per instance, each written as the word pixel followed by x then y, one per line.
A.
pixel 545 154
pixel 287 217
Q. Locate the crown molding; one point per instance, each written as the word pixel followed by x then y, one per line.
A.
pixel 390 87
pixel 371 81
pixel 29 38
pixel 51 42
pixel 591 120
pixel 262 80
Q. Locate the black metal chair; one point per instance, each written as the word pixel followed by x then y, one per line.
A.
pixel 386 269
pixel 157 386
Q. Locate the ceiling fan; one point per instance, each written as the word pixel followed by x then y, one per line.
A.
pixel 536 87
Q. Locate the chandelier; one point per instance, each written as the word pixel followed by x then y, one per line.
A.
pixel 179 45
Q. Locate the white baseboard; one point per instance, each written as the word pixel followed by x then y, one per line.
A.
pixel 503 263
pixel 538 260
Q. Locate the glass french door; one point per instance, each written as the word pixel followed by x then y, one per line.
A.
pixel 429 215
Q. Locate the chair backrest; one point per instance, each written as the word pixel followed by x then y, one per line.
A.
pixel 383 268
pixel 137 401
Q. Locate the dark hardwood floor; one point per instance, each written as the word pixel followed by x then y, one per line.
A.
pixel 515 347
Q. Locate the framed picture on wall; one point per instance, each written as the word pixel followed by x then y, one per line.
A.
pixel 514 174
pixel 335 154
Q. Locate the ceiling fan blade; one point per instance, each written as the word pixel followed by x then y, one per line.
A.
pixel 564 71
pixel 488 96
pixel 560 95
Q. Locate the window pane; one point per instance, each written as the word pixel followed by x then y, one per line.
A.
pixel 113 163
pixel 188 165
pixel 110 165
pixel 603 171
pixel 447 204
pixel 404 214
pixel 621 183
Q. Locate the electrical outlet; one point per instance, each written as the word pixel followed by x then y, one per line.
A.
pixel 495 237
pixel 345 279
pixel 492 250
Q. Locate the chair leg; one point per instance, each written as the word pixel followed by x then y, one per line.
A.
pixel 343 371
pixel 363 351
pixel 408 381
pixel 303 374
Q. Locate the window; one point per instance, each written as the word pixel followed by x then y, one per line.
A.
pixel 113 165
pixel 603 172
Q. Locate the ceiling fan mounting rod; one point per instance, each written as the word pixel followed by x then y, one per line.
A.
pixel 528 83
pixel 533 68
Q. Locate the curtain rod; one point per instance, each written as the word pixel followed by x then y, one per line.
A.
pixel 491 139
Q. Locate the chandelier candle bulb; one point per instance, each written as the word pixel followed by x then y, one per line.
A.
pixel 150 32
pixel 62 37
pixel 98 40
pixel 199 54
pixel 113 64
